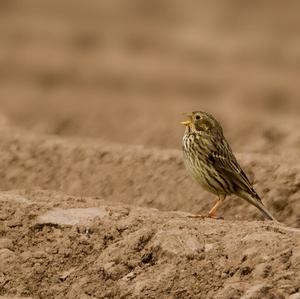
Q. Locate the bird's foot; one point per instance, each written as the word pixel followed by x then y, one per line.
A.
pixel 215 217
pixel 205 216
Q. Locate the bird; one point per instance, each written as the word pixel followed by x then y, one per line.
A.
pixel 209 159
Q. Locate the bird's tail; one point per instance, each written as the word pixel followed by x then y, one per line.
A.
pixel 258 203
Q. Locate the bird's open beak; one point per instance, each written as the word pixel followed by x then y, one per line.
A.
pixel 187 122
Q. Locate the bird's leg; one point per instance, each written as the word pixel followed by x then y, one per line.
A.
pixel 213 212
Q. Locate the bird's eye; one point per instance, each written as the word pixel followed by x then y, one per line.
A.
pixel 198 117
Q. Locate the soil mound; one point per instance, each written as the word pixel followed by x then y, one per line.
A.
pixel 141 176
pixel 54 245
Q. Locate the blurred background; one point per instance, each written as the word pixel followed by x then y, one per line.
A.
pixel 125 71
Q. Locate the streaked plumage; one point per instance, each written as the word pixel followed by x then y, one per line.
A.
pixel 209 159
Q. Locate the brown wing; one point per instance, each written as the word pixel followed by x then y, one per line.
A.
pixel 223 160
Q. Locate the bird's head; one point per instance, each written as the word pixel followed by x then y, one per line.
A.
pixel 199 121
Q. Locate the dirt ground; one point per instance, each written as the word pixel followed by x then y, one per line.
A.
pixel 93 192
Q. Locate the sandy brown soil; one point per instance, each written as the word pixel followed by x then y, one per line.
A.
pixel 62 246
pixel 140 176
pixel 93 192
